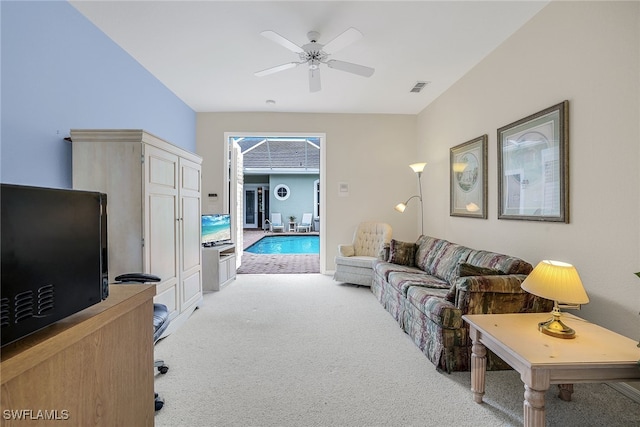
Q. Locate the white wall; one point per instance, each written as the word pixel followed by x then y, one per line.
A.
pixel 587 53
pixel 370 152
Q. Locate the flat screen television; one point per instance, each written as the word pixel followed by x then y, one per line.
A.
pixel 216 229
pixel 54 256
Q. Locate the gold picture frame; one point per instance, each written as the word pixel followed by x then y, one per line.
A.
pixel 468 179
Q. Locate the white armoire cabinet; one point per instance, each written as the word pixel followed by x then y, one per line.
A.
pixel 153 201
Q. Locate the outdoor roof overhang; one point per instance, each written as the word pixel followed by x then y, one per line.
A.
pixel 277 171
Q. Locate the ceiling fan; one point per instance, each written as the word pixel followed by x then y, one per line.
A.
pixel 314 54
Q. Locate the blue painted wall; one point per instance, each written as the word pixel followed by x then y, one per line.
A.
pixel 60 72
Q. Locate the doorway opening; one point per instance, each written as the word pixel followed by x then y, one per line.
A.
pixel 279 174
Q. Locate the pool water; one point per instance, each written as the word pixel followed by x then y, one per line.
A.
pixel 277 245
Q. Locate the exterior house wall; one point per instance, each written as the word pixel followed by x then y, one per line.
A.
pixel 300 199
pixel 256 179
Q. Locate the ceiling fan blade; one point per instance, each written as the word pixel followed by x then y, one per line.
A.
pixel 314 80
pixel 360 70
pixel 275 37
pixel 342 40
pixel 276 69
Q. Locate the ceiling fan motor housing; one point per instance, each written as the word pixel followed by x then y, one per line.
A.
pixel 313 36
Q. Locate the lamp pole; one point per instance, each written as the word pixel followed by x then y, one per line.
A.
pixel 400 207
pixel 421 205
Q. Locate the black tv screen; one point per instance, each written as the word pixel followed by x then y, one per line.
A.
pixel 216 228
pixel 54 256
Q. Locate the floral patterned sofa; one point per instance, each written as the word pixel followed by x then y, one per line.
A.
pixel 428 286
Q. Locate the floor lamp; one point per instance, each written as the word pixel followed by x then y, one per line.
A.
pixel 400 207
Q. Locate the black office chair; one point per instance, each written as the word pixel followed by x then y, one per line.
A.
pixel 160 324
pixel 160 321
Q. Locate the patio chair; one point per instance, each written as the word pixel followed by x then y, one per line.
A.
pixel 305 223
pixel 275 224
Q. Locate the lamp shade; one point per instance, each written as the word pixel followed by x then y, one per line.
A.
pixel 557 281
pixel 417 167
pixel 400 207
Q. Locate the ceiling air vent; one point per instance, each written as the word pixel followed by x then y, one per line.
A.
pixel 418 87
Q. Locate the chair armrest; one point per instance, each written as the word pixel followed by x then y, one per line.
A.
pixel 496 294
pixel 346 250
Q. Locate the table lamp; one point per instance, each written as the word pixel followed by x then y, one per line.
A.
pixel 559 282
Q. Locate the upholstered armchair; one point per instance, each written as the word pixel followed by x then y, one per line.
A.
pixel 354 262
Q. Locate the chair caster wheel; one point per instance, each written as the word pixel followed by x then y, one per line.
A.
pixel 159 402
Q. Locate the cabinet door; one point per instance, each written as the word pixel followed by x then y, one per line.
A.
pixel 190 223
pixel 161 224
pixel 223 272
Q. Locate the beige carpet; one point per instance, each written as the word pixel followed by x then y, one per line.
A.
pixel 303 350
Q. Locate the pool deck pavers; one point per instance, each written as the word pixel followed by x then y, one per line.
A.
pixel 275 264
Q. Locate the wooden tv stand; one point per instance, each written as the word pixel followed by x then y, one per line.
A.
pixel 94 368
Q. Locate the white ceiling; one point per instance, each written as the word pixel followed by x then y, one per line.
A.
pixel 207 51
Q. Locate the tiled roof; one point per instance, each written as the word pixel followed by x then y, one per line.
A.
pixel 281 153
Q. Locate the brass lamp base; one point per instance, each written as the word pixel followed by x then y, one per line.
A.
pixel 555 327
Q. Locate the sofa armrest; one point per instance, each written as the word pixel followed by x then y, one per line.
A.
pixel 383 255
pixel 495 295
pixel 346 250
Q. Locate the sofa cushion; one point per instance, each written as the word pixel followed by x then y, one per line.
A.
pixel 402 280
pixel 402 253
pixel 430 302
pixel 505 263
pixel 446 265
pixel 384 268
pixel 427 250
pixel 465 269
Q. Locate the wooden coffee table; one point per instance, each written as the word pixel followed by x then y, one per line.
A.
pixel 594 355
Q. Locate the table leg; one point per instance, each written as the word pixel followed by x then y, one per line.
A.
pixel 478 370
pixel 534 415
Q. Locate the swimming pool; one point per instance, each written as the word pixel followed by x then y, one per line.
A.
pixel 279 245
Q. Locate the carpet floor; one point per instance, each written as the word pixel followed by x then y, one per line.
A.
pixel 303 350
